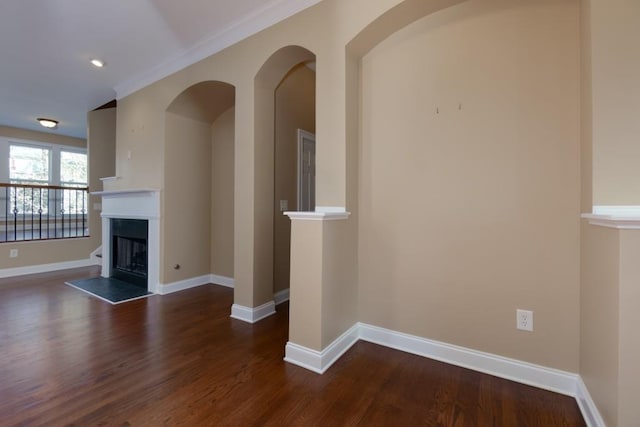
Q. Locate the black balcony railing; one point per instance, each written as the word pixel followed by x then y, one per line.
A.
pixel 42 212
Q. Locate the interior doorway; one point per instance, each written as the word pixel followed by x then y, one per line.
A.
pixel 294 128
pixel 306 171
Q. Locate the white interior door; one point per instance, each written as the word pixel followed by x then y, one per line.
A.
pixel 306 171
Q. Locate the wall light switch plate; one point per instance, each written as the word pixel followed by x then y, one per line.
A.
pixel 13 253
pixel 284 205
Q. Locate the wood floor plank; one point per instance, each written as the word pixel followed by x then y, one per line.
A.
pixel 69 359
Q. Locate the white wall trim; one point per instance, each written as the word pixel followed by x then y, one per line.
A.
pixel 135 204
pixel 331 209
pixel 96 255
pixel 181 285
pixel 126 192
pixel 620 223
pixel 281 296
pixel 587 406
pixel 194 282
pixel 503 367
pixel 617 210
pixel 320 361
pixel 619 217
pixel 261 18
pixel 45 268
pixel 252 315
pixel 228 282
pixel 317 216
pixel 555 380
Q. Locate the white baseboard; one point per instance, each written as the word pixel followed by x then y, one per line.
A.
pixel 182 285
pixel 320 361
pixel 45 268
pixel 194 282
pixel 253 314
pixel 281 296
pixel 587 406
pixel 555 380
pixel 96 255
pixel 503 367
pixel 228 282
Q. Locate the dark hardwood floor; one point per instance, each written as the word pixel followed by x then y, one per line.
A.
pixel 68 359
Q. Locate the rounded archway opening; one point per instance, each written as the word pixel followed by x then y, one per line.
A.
pixel 285 107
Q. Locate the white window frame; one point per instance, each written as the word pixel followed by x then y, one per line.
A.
pixel 54 157
pixel 29 145
pixel 54 160
pixel 77 150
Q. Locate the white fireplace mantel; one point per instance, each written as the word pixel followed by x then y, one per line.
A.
pixel 133 204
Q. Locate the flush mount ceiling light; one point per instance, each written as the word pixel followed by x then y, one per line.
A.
pixel 97 63
pixel 48 123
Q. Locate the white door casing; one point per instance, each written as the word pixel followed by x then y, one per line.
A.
pixel 306 171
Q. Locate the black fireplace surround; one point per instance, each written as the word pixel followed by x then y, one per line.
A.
pixel 129 260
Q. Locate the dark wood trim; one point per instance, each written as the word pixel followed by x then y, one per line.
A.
pixel 46 187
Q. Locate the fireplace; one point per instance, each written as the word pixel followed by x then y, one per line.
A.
pixel 131 236
pixel 129 251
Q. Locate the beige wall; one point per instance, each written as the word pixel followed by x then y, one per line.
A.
pixel 140 138
pixel 469 179
pixel 101 147
pixel 490 221
pixel 306 294
pixel 45 137
pixel 294 109
pixel 609 293
pixel 458 218
pixel 323 292
pixel 222 200
pixel 339 279
pixel 599 308
pixel 586 125
pixel 628 317
pixel 199 129
pixel 609 298
pixel 53 251
pixel 186 224
pixel 615 58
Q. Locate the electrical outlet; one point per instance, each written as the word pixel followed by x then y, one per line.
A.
pixel 524 320
pixel 13 253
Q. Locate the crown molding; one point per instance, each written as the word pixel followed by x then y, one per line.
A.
pixel 272 13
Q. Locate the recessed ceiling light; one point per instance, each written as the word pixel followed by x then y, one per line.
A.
pixel 48 123
pixel 97 63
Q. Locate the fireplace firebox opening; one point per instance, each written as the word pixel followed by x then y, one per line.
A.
pixel 129 255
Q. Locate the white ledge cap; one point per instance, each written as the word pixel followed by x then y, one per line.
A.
pixel 126 192
pixel 621 217
pixel 318 216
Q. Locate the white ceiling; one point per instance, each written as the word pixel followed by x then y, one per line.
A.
pixel 46 45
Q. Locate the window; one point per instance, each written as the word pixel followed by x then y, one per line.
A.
pixel 47 165
pixel 43 193
pixel 73 173
pixel 29 165
pixel 73 169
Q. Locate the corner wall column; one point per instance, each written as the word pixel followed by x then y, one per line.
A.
pixel 323 297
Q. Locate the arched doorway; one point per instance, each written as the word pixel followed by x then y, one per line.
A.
pixel 284 103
